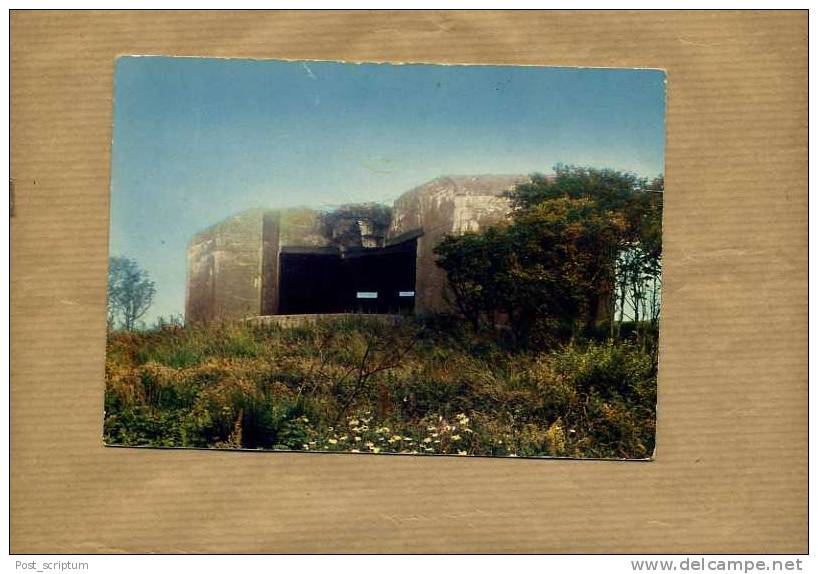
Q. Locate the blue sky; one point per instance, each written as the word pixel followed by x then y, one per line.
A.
pixel 196 140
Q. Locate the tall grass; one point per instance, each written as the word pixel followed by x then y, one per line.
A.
pixel 421 386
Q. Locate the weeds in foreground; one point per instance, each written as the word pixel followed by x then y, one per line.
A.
pixel 357 385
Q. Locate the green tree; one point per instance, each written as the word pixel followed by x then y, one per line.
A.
pixel 130 293
pixel 553 270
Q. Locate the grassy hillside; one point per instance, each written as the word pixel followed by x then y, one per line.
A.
pixel 420 387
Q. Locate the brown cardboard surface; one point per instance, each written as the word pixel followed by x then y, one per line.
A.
pixel 730 473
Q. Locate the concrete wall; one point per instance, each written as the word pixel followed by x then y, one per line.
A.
pixel 233 266
pixel 443 206
pixel 224 267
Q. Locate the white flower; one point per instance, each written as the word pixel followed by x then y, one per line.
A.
pixel 427 440
pixel 461 453
pixel 456 437
pixel 332 441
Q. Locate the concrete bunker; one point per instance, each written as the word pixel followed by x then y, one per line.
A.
pixel 289 262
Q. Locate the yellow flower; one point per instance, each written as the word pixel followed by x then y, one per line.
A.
pixel 345 437
pixel 376 450
pixel 427 440
pixel 357 439
pixel 456 437
pixel 332 441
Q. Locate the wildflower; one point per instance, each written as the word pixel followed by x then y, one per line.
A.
pixel 345 437
pixel 332 441
pixel 312 443
pixel 353 422
pixel 427 449
pixel 434 434
pixel 354 450
pixel 430 428
pixel 512 454
pixel 456 437
pixel 376 450
pixel 370 444
pixel 306 446
pixel 461 453
pixel 357 439
pixel 427 440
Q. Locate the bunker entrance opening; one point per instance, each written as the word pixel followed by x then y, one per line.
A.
pixel 360 280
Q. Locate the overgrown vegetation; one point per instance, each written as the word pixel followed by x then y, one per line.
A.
pixel 423 387
pixel 551 350
pixel 581 247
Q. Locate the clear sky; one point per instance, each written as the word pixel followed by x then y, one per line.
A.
pixel 197 140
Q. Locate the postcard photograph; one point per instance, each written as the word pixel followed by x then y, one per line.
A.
pixel 413 259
